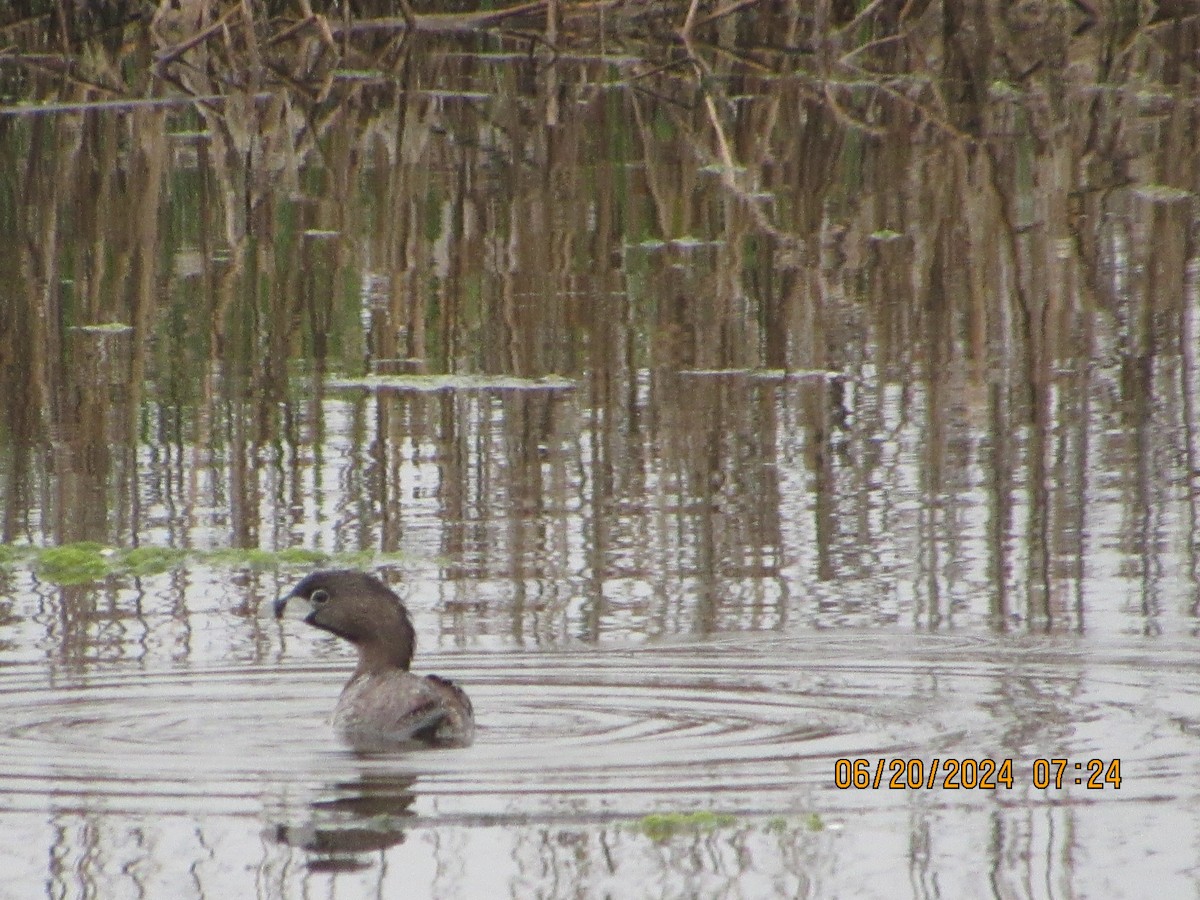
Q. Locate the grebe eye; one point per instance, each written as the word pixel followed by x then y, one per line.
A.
pixel 320 596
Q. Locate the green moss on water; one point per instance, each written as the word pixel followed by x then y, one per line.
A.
pixel 151 560
pixel 224 556
pixel 78 563
pixel 361 559
pixel 300 556
pixel 662 826
pixel 388 559
pixel 88 561
pixel 290 557
pixel 1004 90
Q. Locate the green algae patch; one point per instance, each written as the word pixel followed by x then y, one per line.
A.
pixel 151 560
pixel 10 554
pixel 300 556
pixel 268 560
pixel 660 827
pixel 364 559
pixel 88 561
pixel 79 563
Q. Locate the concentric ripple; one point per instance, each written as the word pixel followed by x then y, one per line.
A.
pixel 586 732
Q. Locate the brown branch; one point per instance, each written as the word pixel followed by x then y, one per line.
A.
pixel 727 10
pixel 171 54
pixel 475 21
pixel 690 20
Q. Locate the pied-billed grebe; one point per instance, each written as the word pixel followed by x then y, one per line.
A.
pixel 383 701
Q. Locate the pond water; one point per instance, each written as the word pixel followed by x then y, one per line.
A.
pixel 743 432
pixel 227 779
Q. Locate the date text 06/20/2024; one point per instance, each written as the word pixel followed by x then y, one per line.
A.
pixel 956 773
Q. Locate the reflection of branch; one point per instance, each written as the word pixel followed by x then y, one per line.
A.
pixel 168 56
pixel 724 11
pixel 310 20
pixel 871 45
pixel 729 168
pixel 722 142
pixel 842 115
pixel 659 205
pixel 713 118
pixel 686 30
pixel 444 21
pixel 409 14
pixel 62 67
pixel 853 24
pixel 930 116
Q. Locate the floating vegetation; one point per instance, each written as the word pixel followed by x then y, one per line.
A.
pixel 151 560
pixel 254 558
pixel 302 556
pixel 74 563
pixel 296 558
pixel 103 328
pixel 88 561
pixel 1162 193
pixel 435 94
pixel 432 383
pixel 358 75
pixel 1000 89
pixel 679 243
pixel 761 374
pixel 663 826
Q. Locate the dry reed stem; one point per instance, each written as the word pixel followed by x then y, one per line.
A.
pixel 724 11
pixel 168 56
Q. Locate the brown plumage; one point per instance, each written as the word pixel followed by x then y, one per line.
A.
pixel 383 701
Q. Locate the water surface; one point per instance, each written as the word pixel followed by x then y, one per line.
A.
pixel 236 769
pixel 719 415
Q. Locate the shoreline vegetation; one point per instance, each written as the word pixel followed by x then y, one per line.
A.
pixel 876 67
pixel 141 51
pixel 562 206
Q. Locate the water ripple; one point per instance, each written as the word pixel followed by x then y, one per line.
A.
pixel 587 730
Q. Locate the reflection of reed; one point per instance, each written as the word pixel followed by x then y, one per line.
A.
pixel 961 249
